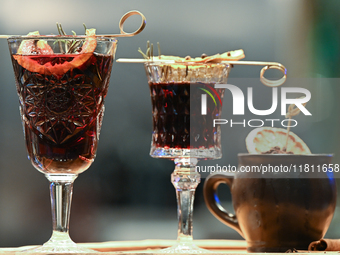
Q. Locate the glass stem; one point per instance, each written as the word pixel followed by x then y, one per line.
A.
pixel 61 187
pixel 185 180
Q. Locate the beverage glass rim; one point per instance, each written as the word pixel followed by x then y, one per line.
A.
pixel 60 37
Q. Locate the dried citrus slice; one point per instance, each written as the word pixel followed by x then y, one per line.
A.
pixel 27 47
pixel 262 139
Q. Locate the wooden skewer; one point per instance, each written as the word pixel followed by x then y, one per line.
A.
pixel 156 59
pixel 121 23
pixel 267 65
pixel 141 60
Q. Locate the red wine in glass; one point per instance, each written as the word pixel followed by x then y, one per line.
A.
pixel 177 119
pixel 62 113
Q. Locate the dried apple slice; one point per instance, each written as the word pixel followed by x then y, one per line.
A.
pixel 226 56
pixel 217 58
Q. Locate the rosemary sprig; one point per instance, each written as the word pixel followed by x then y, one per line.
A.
pixel 74 46
pixel 159 50
pixel 149 51
pixel 71 46
pixel 60 29
pixel 59 41
pixel 143 54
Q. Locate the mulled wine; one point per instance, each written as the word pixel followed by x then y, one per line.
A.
pixel 62 112
pixel 177 119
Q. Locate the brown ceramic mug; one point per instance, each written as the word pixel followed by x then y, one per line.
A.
pixel 277 211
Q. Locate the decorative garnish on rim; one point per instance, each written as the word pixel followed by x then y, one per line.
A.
pixel 149 51
pixel 72 46
pixel 78 47
pixel 217 58
pixel 270 140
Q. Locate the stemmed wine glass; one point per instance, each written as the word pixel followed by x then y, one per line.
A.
pixel 61 82
pixel 184 105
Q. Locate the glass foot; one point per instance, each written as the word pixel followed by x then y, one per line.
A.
pixel 59 243
pixel 187 248
pixel 59 248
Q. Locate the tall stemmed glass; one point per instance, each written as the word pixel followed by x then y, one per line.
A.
pixel 61 93
pixel 184 105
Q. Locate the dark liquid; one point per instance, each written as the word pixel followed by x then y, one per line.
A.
pixel 62 113
pixel 177 119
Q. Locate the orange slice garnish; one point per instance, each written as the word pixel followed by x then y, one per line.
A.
pixel 263 139
pixel 24 55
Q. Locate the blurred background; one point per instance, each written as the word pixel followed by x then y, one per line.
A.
pixel 125 194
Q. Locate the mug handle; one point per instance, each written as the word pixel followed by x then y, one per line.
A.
pixel 213 203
